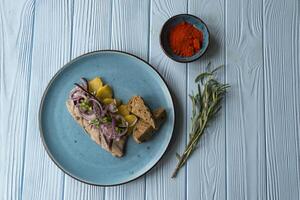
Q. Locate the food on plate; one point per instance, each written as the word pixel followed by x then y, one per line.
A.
pixel 95 84
pixel 108 101
pixel 144 131
pixel 104 92
pixel 107 128
pixel 159 116
pixel 123 110
pixel 131 119
pixel 137 106
pixel 106 120
pixel 92 127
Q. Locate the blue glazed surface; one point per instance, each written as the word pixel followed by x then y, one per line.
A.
pixel 72 149
pixel 173 21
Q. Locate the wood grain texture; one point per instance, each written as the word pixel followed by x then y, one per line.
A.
pixel 129 32
pixel 159 184
pixel 90 32
pixel 130 26
pixel 206 167
pixel 16 19
pixel 250 152
pixel 282 92
pixel 91 28
pixel 74 189
pixel 245 137
pixel 51 49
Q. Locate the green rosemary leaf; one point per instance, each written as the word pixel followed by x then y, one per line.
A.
pixel 202 76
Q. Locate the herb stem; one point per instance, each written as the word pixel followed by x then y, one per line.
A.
pixel 193 141
pixel 206 104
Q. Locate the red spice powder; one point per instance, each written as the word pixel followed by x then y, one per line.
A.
pixel 185 40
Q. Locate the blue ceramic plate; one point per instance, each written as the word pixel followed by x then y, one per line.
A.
pixel 177 19
pixel 72 149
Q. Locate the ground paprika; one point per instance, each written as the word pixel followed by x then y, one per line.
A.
pixel 185 40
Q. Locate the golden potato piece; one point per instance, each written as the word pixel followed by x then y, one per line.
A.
pixel 95 84
pixel 108 101
pixel 104 92
pixel 131 119
pixel 123 110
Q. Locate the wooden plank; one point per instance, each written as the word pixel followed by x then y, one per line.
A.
pixel 16 22
pixel 91 26
pixel 245 146
pixel 51 49
pixel 130 25
pixel 282 95
pixel 133 190
pixel 90 32
pixel 74 189
pixel 159 184
pixel 206 168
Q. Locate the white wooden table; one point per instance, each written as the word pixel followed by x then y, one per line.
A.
pixel 250 152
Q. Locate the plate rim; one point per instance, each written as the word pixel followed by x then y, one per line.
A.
pixel 46 91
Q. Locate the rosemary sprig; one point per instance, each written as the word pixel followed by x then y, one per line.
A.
pixel 205 105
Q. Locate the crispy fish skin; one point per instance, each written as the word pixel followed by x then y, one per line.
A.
pixel 116 148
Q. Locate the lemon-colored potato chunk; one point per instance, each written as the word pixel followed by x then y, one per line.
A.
pixel 95 84
pixel 131 119
pixel 108 101
pixel 104 92
pixel 123 110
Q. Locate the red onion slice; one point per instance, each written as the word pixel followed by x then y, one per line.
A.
pixel 87 116
pixel 108 130
pixel 112 108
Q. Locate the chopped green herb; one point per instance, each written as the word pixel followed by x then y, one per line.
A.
pixel 95 122
pixel 119 129
pixel 106 119
pixel 85 105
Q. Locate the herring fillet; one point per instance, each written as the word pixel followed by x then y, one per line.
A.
pixel 117 147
